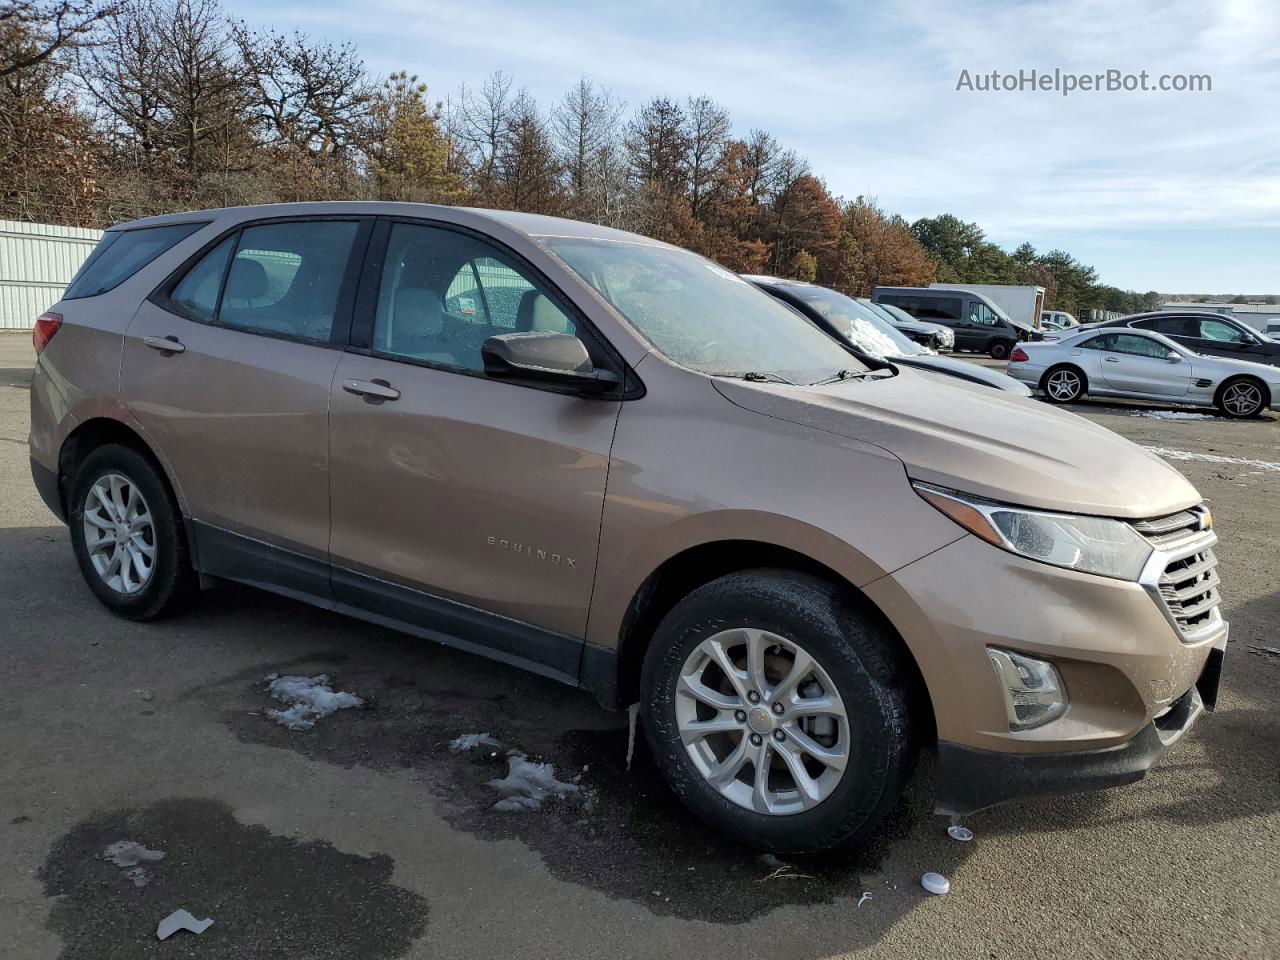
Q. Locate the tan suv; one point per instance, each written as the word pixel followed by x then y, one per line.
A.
pixel 618 464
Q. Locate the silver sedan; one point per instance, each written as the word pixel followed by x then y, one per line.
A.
pixel 1147 366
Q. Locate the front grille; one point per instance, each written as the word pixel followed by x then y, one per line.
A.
pixel 1187 582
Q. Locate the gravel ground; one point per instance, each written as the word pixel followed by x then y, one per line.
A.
pixel 367 837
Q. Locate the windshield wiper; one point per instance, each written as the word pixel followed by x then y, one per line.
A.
pixel 887 370
pixel 753 377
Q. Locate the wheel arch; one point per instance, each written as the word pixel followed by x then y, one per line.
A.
pixel 700 564
pixel 97 432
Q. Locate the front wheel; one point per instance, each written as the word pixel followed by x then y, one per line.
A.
pixel 127 534
pixel 1242 398
pixel 1000 349
pixel 777 712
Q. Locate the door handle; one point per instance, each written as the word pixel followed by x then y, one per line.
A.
pixel 164 344
pixel 1111 359
pixel 374 391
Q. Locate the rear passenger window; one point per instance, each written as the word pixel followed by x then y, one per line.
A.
pixel 197 292
pixel 285 278
pixel 443 294
pixel 122 253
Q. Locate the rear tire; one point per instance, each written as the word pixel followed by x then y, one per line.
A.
pixel 1001 349
pixel 1064 384
pixel 847 661
pixel 1241 398
pixel 128 535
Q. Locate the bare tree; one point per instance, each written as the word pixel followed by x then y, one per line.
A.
pixel 527 168
pixel 308 96
pixel 478 121
pixel 586 129
pixel 707 133
pixel 45 27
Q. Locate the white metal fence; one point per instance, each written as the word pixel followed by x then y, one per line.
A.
pixel 37 260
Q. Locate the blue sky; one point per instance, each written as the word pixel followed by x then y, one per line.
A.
pixel 1178 192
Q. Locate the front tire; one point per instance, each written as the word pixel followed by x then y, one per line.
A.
pixel 1000 349
pixel 127 534
pixel 1065 384
pixel 1241 398
pixel 778 712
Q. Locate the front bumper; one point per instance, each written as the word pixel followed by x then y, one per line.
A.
pixel 971 779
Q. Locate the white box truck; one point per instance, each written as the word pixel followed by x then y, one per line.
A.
pixel 1022 303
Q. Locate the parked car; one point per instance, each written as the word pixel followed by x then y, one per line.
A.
pixel 621 466
pixel 1272 329
pixel 1209 334
pixel 871 336
pixel 1059 317
pixel 1021 303
pixel 1144 365
pixel 932 336
pixel 978 323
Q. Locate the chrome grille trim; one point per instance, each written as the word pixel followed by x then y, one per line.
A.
pixel 1181 574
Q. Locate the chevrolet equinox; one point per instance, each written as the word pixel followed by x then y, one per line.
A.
pixel 619 465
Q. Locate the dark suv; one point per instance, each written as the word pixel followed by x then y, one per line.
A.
pixel 1211 334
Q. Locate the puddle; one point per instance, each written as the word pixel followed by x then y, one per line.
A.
pixel 269 896
pixel 636 841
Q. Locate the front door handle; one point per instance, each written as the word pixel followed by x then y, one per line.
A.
pixel 164 344
pixel 375 391
pixel 1111 359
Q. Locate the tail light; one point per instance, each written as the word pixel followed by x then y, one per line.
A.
pixel 1018 356
pixel 47 324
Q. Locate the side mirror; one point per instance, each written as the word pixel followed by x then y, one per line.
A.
pixel 1173 356
pixel 545 357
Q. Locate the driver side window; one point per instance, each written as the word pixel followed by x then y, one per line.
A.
pixel 1222 332
pixel 1138 346
pixel 982 315
pixel 444 293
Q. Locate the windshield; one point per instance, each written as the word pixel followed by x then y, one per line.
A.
pixel 858 324
pixel 896 311
pixel 700 315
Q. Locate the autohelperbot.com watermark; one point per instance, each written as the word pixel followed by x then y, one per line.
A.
pixel 1065 82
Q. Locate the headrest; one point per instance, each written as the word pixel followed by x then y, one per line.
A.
pixel 247 280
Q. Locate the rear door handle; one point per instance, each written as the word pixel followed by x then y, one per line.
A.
pixel 375 391
pixel 164 344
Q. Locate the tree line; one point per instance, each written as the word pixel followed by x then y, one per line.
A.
pixel 110 112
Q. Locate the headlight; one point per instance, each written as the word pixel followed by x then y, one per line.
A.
pixel 1109 548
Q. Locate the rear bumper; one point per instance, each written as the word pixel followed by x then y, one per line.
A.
pixel 971 779
pixel 46 482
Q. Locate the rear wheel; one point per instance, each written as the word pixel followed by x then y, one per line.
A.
pixel 127 534
pixel 1000 349
pixel 777 712
pixel 1064 384
pixel 1241 397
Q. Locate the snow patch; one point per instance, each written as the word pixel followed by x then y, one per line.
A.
pixel 529 784
pixel 1169 454
pixel 126 853
pixel 1172 415
pixel 309 699
pixel 469 741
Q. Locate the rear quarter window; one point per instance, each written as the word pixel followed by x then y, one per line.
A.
pixel 122 253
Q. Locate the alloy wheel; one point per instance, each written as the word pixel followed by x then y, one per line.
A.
pixel 1242 399
pixel 119 533
pixel 762 721
pixel 1063 385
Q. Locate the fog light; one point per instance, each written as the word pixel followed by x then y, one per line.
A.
pixel 1032 689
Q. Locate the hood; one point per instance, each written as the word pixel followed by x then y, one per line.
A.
pixel 985 442
pixel 966 371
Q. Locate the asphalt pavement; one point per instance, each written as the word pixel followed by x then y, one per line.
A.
pixel 367 837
